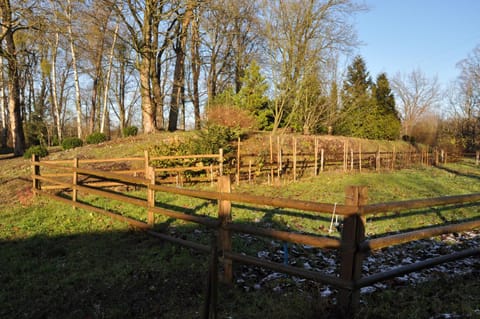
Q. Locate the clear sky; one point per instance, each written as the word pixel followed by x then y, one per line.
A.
pixel 432 35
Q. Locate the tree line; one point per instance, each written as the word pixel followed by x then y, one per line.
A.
pixel 75 67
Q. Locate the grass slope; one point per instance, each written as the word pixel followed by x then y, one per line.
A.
pixel 57 262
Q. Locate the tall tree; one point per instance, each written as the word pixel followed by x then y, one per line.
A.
pixel 357 106
pixel 69 13
pixel 3 107
pixel 143 20
pixel 177 99
pixel 417 94
pixel 388 121
pixel 299 36
pixel 11 25
pixel 465 101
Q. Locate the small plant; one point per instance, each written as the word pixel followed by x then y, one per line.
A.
pixel 38 150
pixel 71 142
pixel 130 131
pixel 96 138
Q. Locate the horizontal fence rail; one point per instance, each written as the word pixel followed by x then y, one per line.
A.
pixel 70 180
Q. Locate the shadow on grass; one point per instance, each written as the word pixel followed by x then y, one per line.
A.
pixel 122 274
pixel 100 275
pixel 458 173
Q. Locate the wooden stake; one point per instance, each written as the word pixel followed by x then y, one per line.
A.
pixel 35 173
pixel 75 181
pixel 225 236
pixel 294 159
pixel 151 197
pixel 238 161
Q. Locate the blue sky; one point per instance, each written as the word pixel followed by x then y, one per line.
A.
pixel 432 35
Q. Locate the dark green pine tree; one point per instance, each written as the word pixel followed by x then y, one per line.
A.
pixel 389 123
pixel 356 115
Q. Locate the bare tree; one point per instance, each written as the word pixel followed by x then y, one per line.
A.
pixel 464 97
pixel 3 108
pixel 300 36
pixel 417 95
pixel 11 25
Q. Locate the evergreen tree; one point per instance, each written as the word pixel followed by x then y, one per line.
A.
pixel 356 113
pixel 389 123
pixel 252 96
pixel 368 108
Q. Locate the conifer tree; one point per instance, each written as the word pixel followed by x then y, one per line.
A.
pixel 356 112
pixel 389 123
pixel 368 108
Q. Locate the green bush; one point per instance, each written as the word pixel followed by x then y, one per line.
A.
pixel 96 138
pixel 38 150
pixel 130 131
pixel 71 142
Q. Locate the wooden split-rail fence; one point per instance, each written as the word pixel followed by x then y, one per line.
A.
pixel 69 181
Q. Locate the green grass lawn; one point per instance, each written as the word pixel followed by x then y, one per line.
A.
pixel 56 262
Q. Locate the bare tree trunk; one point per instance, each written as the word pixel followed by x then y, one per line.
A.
pixel 107 82
pixel 78 101
pixel 148 108
pixel 14 105
pixel 3 103
pixel 178 90
pixel 196 63
pixel 55 104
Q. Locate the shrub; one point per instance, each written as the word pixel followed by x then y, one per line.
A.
pixel 130 131
pixel 96 138
pixel 38 150
pixel 71 142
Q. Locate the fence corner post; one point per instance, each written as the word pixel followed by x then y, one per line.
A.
pixel 351 258
pixel 225 235
pixel 35 173
pixel 150 171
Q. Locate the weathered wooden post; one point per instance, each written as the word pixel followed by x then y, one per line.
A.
pixel 75 182
pixel 147 163
pixel 220 161
pixel 225 235
pixel 322 160
pixel 279 157
pixel 238 162
pixel 351 159
pixel 351 258
pixel 35 173
pixel 294 146
pixel 360 157
pixel 315 153
pixel 378 160
pixel 271 159
pixel 150 196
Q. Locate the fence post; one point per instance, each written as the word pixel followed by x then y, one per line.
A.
pixel 294 146
pixel 316 156
pixel 322 160
pixel 360 157
pixel 225 236
pixel 477 158
pixel 147 163
pixel 35 173
pixel 150 196
pixel 351 258
pixel 220 160
pixel 378 160
pixel 271 159
pixel 238 162
pixel 75 181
